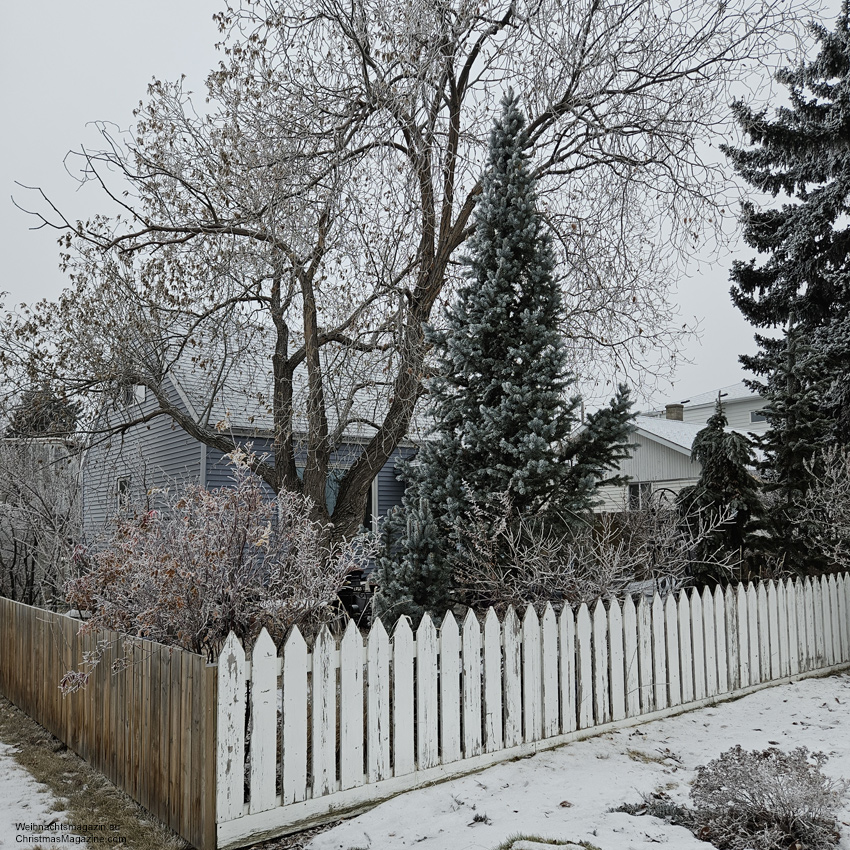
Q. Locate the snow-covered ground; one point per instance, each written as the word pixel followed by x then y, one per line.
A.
pixel 22 801
pixel 567 793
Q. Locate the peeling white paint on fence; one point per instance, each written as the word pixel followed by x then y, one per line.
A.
pixel 360 722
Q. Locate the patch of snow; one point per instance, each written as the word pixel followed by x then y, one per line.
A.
pixel 567 794
pixel 24 801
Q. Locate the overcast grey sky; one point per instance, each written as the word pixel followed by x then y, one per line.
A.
pixel 65 64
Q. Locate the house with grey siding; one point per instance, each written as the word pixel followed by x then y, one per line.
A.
pixel 661 462
pixel 129 466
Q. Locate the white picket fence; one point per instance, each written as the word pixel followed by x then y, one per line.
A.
pixel 338 728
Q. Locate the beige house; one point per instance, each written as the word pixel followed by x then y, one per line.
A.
pixel 661 460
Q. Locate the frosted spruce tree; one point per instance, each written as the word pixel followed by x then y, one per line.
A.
pixel 803 287
pixel 502 413
pixel 726 483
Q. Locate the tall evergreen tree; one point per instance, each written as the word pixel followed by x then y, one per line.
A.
pixel 502 418
pixel 803 287
pixel 726 483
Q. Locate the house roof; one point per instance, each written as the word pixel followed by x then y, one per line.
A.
pixel 730 393
pixel 670 432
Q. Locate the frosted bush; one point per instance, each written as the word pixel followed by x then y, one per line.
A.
pixel 766 800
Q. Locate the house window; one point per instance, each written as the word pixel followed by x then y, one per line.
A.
pixel 639 495
pixel 122 491
pixel 133 394
pixel 757 416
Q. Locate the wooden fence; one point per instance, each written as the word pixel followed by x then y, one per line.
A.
pixel 249 749
pixel 335 729
pixel 149 727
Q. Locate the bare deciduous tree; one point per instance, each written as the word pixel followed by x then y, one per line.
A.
pixel 298 232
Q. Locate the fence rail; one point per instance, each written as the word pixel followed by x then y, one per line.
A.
pixel 337 728
pixel 149 727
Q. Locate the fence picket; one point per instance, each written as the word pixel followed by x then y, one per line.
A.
pixel 685 654
pixel 644 633
pixel 294 729
pixel 843 617
pixel 567 638
pixel 449 689
pixel 792 601
pixel 264 715
pixel 847 610
pixel 404 760
pixel 674 675
pixel 427 718
pixel 230 758
pixel 809 608
pixel 754 628
pixel 513 678
pixel 720 640
pixel 493 735
pixel 659 653
pixel 602 700
pixel 471 652
pixel 768 606
pixel 733 646
pixel 782 617
pixel 616 658
pixel 584 656
pixel 324 714
pixel 835 654
pixel 549 670
pixel 532 692
pixel 377 703
pixel 351 706
pixel 630 651
pixel 710 643
pixel 697 645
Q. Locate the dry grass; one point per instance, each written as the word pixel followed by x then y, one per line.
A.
pixel 87 796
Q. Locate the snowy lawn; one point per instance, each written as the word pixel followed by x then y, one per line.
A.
pixel 567 793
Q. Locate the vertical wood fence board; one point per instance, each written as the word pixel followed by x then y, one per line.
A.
pixel 601 692
pixel 532 686
pixel 263 775
pixel 493 726
pixel 647 680
pixel 710 643
pixel 742 636
pixel 404 757
pixel 811 640
pixel 659 654
pixel 754 635
pixel 512 640
pixel 450 690
pixel 378 703
pixel 697 645
pixel 231 730
pixel 630 652
pixel 617 660
pixel 764 633
pixel 772 630
pixel 792 601
pixel 685 652
pixel 471 691
pixel 721 640
pixel 549 671
pixel 293 732
pixel 324 714
pixel 674 674
pixel 835 656
pixel 584 663
pixel 351 700
pixel 843 618
pixel 166 777
pixel 782 616
pixel 567 638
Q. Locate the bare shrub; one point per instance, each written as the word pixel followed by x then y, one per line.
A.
pixel 212 561
pixel 505 558
pixel 768 800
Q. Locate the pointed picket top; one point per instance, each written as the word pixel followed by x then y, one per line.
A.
pixel 530 618
pixel 449 625
pixel 426 628
pixel 351 635
pixel 402 630
pixel 263 647
pixel 378 633
pixel 491 620
pixel 549 613
pixel 294 641
pixel 629 605
pixel 470 622
pixel 599 608
pixel 231 651
pixel 583 614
